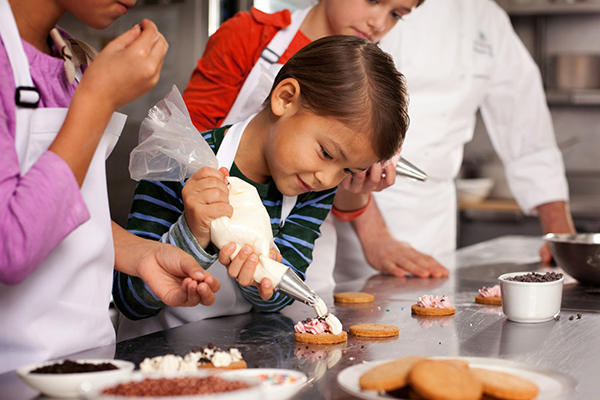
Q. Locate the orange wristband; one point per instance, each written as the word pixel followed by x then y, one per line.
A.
pixel 346 216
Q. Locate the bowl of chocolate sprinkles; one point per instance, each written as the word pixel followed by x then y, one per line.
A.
pixel 178 386
pixel 531 297
pixel 63 378
pixel 578 255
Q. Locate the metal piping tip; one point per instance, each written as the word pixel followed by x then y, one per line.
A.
pixel 404 168
pixel 292 286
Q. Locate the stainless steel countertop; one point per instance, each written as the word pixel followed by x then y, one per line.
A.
pixel 267 340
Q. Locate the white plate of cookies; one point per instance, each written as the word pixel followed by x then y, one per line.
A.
pixel 439 377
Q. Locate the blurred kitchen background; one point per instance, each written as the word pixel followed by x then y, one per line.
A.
pixel 562 35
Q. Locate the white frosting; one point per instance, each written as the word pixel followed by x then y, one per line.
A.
pixel 189 363
pixel 320 307
pixel 221 359
pixel 335 326
pixel 166 363
pixel 235 354
pixel 249 224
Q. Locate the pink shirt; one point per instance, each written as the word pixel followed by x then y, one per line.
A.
pixel 41 208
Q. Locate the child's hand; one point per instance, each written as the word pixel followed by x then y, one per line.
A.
pixel 242 268
pixel 205 198
pixel 127 68
pixel 275 255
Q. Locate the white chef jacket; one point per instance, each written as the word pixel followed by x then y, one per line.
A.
pixel 460 56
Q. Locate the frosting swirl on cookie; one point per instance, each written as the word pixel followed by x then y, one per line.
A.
pixel 493 291
pixel 320 325
pixel 429 301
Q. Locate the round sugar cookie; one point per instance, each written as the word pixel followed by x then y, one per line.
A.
pixel 373 330
pixel 416 309
pixel 501 385
pixel 241 364
pixel 389 376
pixel 354 297
pixel 439 380
pixel 322 338
pixel 491 301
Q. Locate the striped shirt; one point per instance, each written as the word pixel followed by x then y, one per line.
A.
pixel 157 214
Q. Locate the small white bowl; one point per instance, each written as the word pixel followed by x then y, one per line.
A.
pixel 473 190
pixel 277 384
pixel 67 385
pixel 530 302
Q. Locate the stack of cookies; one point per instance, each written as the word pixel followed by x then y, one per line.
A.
pixel 421 378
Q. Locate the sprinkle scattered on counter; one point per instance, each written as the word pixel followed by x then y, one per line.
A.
pixel 277 379
pixel 388 310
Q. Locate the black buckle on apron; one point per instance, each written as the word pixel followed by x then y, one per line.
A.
pixel 270 56
pixel 20 99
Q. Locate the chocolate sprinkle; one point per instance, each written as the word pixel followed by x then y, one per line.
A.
pixel 534 277
pixel 73 367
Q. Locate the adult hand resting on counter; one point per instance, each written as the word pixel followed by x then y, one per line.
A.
pixel 555 217
pixel 384 252
pixel 172 274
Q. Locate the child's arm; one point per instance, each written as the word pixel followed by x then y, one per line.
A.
pixel 125 69
pixel 157 213
pixel 39 209
pixel 170 272
pixel 295 242
pixel 219 75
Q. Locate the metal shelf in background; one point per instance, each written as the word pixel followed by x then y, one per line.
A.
pixel 549 7
pixel 587 97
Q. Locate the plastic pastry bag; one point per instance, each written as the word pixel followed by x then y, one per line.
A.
pixel 170 147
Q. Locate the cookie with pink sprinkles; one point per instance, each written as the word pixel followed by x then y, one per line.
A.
pixel 433 305
pixel 318 331
pixel 489 296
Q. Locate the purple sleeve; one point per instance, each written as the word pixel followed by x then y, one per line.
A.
pixel 37 210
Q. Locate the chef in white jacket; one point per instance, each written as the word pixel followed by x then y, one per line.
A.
pixel 459 56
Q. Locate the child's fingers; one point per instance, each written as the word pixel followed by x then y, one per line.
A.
pixel 225 254
pixel 246 275
pixel 208 172
pixel 126 38
pixel 224 171
pixel 266 289
pixel 193 298
pixel 148 38
pixel 238 262
pixel 207 297
pixel 212 282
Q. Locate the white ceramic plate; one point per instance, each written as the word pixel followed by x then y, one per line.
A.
pixel 552 384
pixel 254 392
pixel 277 384
pixel 67 385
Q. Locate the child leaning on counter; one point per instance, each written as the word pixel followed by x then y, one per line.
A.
pixel 58 246
pixel 231 82
pixel 336 107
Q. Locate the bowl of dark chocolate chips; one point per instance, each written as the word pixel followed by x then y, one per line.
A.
pixel 578 255
pixel 531 297
pixel 63 378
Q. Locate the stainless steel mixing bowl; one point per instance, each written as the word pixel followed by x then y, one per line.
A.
pixel 578 255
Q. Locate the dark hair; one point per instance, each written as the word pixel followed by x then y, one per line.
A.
pixel 355 82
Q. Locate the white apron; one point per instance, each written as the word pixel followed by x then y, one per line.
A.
pixel 62 307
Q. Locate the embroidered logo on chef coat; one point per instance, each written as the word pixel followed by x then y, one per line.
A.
pixel 482 46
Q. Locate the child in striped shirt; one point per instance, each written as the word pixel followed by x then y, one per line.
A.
pixel 336 107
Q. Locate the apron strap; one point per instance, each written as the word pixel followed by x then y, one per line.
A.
pixel 281 41
pixel 226 155
pixel 27 96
